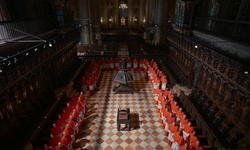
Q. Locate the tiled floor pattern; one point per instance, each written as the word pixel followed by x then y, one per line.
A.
pixel 100 129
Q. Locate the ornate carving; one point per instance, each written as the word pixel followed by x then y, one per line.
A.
pixel 246 84
pixel 240 79
pixel 214 85
pixel 207 80
pixel 245 109
pixel 227 94
pixel 235 104
pixel 218 118
pixel 232 74
pixel 212 111
pixel 207 105
pixel 225 126
pixel 215 63
pixel 202 100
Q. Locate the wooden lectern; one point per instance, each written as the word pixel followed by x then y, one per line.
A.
pixel 123 117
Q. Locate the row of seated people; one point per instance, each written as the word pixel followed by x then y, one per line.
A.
pixel 156 77
pixel 66 128
pixel 114 64
pixel 178 129
pixel 91 77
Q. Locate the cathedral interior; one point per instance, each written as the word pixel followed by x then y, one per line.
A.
pixel 193 55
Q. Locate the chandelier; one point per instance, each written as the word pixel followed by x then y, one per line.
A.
pixel 123 6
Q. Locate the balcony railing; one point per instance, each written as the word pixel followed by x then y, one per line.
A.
pixel 235 30
pixel 10 30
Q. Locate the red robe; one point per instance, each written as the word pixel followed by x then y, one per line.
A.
pixel 179 139
pixel 66 139
pixel 192 139
pixel 173 128
pixel 188 129
pixel 54 141
pixel 170 119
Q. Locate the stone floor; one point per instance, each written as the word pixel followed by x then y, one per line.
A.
pixel 100 129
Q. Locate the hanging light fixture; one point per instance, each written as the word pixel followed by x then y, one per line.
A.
pixel 123 6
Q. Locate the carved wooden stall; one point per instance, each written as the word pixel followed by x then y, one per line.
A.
pixel 26 91
pixel 221 93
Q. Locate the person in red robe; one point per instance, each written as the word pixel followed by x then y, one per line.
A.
pixel 174 106
pixel 72 123
pixel 187 130
pixel 160 100
pixel 73 101
pixel 56 130
pixel 156 83
pixel 61 147
pixel 68 108
pixel 178 140
pixel 171 130
pixel 91 85
pixel 192 138
pixel 183 121
pixel 157 92
pixel 165 112
pixel 135 64
pixel 69 130
pixel 129 61
pixel 179 113
pixel 170 118
pixel 48 147
pixel 163 82
pixel 60 122
pixel 81 100
pixel 65 116
pixel 54 140
pixel 67 141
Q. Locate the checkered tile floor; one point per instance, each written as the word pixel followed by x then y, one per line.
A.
pixel 100 128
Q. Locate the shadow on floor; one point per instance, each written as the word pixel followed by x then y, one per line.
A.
pixel 134 121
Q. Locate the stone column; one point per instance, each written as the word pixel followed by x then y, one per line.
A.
pixel 183 16
pixel 152 6
pixel 130 13
pixel 160 20
pixel 116 12
pixel 84 17
pixel 142 10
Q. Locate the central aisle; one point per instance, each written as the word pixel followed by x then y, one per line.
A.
pixel 100 128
